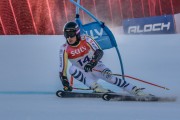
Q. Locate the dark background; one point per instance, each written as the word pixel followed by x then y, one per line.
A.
pixel 49 16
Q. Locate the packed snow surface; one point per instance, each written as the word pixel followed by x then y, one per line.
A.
pixel 29 79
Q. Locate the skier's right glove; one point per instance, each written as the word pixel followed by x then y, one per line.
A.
pixel 65 83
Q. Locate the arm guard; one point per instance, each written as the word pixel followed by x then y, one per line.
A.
pixel 98 54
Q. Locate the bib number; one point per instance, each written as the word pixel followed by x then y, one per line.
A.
pixel 84 60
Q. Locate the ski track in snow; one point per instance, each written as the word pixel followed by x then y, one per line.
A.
pixel 46 107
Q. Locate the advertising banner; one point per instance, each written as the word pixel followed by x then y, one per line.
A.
pixel 150 25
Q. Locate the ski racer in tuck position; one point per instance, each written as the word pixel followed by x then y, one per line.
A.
pixel 85 55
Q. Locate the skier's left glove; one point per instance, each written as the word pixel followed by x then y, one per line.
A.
pixel 96 57
pixel 89 66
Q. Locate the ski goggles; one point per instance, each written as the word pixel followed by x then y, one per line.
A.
pixel 70 33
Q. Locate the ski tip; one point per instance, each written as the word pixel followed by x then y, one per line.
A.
pixel 106 97
pixel 59 93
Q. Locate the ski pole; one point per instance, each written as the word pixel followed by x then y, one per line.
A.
pixel 71 84
pixel 81 88
pixel 71 81
pixel 127 76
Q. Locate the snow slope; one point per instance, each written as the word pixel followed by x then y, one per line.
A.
pixel 29 77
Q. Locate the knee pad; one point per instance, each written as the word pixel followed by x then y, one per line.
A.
pixel 107 73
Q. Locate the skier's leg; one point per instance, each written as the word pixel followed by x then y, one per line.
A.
pixel 106 75
pixel 81 76
pixel 87 78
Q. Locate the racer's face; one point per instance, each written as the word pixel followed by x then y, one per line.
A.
pixel 71 40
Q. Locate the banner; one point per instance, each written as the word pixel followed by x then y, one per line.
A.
pixel 177 22
pixel 150 25
pixel 99 31
pixel 99 34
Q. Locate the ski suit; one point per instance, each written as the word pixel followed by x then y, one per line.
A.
pixel 79 56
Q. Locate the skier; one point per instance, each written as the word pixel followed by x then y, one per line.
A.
pixel 85 55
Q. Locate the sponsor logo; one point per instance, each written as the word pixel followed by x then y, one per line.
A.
pixel 61 61
pixel 83 37
pixel 61 57
pixel 61 51
pixel 149 28
pixel 91 41
pixel 64 45
pixel 95 33
pixel 94 45
pixel 78 51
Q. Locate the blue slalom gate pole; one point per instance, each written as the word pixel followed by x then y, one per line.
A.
pixel 102 25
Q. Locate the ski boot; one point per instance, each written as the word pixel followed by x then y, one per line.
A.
pixel 99 89
pixel 139 92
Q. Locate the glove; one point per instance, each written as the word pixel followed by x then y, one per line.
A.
pixel 66 85
pixel 89 66
pixel 96 57
pixel 65 82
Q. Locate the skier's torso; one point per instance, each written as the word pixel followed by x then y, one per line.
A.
pixel 79 55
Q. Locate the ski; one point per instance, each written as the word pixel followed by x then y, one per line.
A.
pixel 120 97
pixel 65 94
